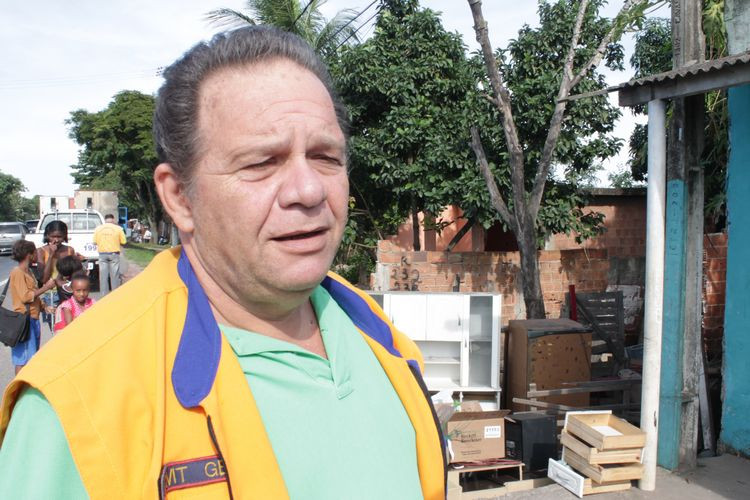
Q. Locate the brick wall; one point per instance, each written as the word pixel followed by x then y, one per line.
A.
pixel 714 282
pixel 625 224
pixel 495 272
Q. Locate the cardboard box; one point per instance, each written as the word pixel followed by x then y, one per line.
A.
pixel 477 435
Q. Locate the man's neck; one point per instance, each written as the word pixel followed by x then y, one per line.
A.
pixel 292 320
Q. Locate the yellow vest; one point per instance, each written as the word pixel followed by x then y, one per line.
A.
pixel 154 404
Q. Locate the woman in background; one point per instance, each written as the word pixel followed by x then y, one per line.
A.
pixel 24 292
pixel 55 237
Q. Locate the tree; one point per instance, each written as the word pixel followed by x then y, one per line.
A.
pixel 324 35
pixel 117 152
pixel 13 206
pixel 406 89
pixel 548 64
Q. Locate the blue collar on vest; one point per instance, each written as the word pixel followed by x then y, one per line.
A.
pixel 198 354
pixel 199 351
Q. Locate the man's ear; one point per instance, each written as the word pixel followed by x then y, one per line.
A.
pixel 173 197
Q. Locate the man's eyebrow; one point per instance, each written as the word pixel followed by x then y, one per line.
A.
pixel 325 140
pixel 258 144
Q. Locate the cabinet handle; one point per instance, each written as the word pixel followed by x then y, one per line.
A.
pixel 459 321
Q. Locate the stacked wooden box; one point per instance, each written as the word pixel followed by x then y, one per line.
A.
pixel 603 448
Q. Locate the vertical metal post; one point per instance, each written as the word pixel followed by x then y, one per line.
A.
pixel 655 201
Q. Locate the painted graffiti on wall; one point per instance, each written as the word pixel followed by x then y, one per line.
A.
pixel 404 277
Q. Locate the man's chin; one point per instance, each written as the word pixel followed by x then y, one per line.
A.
pixel 299 284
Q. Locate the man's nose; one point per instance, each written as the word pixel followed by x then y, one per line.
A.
pixel 303 184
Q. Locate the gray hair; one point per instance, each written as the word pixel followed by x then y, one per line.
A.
pixel 176 113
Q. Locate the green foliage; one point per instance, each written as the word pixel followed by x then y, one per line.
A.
pixel 622 178
pixel 532 65
pixel 406 89
pixel 413 96
pixel 652 55
pixel 117 152
pixel 306 20
pixel 532 68
pixel 13 206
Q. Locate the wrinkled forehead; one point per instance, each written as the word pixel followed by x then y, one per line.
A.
pixel 246 99
pixel 263 81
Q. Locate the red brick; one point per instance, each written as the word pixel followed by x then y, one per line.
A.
pixel 715 276
pixel 715 298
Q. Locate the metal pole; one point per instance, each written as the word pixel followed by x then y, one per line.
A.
pixel 657 147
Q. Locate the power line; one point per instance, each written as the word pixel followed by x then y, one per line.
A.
pixel 302 13
pixel 358 28
pixel 333 37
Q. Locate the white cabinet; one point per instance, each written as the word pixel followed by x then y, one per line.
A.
pixel 408 312
pixel 445 319
pixel 458 334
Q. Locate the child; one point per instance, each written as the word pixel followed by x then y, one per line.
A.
pixel 70 309
pixel 66 267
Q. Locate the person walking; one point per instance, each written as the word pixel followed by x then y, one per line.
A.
pixel 109 237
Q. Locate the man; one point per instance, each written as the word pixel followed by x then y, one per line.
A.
pixel 236 366
pixel 108 238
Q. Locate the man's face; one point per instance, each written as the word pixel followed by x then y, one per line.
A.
pixel 270 193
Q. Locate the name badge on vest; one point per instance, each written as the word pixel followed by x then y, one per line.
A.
pixel 191 473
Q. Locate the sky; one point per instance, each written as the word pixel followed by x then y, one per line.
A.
pixel 58 57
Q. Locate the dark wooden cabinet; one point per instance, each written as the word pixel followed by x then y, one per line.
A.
pixel 547 353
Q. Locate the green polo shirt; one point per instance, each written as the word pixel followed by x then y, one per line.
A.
pixel 336 425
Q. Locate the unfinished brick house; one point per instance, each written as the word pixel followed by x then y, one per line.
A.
pixel 488 261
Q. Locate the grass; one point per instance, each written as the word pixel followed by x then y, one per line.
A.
pixel 141 254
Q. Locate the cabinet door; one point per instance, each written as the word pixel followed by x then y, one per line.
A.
pixel 408 312
pixel 446 318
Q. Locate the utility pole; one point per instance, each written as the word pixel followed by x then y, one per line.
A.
pixel 683 273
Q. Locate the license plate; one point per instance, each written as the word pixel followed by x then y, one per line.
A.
pixel 90 266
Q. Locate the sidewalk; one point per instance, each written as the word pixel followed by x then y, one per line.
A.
pixel 722 477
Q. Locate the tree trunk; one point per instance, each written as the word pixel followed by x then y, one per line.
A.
pixel 530 282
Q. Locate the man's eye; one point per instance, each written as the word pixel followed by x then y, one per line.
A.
pixel 329 159
pixel 262 163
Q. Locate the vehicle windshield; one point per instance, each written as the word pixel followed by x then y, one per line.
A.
pixel 81 221
pixel 10 228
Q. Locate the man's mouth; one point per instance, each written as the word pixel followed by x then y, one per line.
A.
pixel 301 235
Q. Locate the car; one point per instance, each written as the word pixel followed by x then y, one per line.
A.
pixel 31 224
pixel 10 232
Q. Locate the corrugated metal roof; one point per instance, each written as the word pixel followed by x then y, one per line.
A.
pixel 685 71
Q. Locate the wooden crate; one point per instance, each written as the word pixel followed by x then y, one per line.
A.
pixel 594 456
pixel 603 473
pixel 590 487
pixel 604 431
